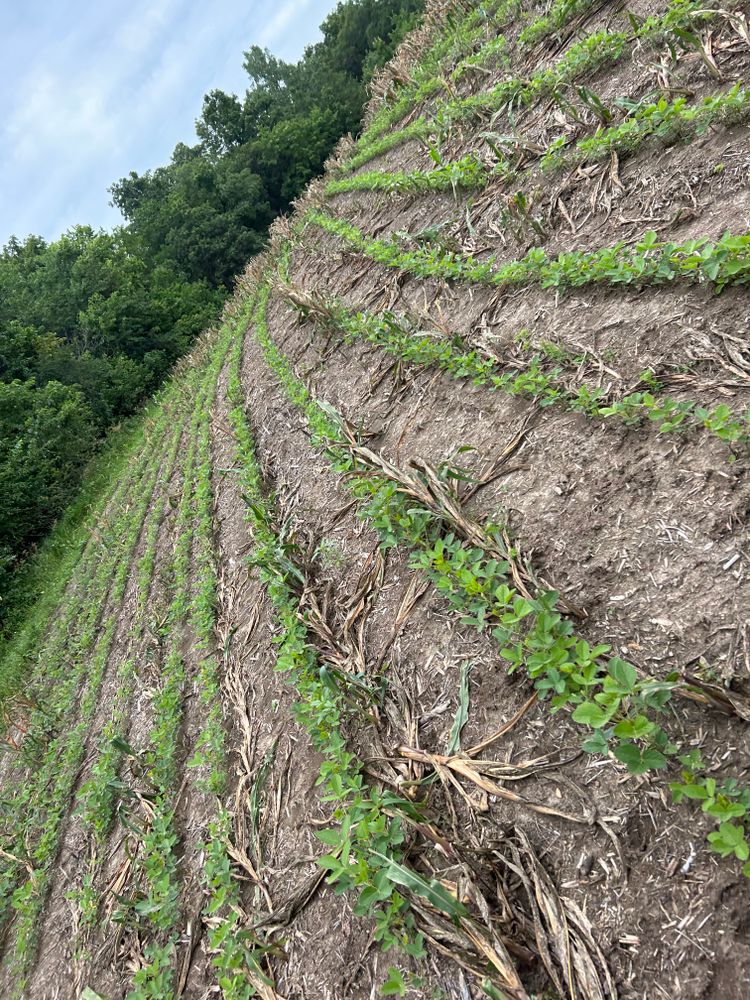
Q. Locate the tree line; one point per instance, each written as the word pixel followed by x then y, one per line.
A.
pixel 91 323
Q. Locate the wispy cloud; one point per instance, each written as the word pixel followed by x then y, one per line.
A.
pixel 93 91
pixel 277 26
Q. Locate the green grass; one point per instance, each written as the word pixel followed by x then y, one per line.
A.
pixel 467 174
pixel 584 57
pixel 364 841
pixel 39 582
pixel 64 559
pixel 665 121
pixel 158 905
pixel 458 37
pixel 430 74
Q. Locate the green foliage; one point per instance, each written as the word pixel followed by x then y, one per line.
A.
pixel 365 841
pixel 586 56
pixel 467 174
pixel 99 331
pixel 728 803
pixel 666 120
pixel 74 659
pixel 559 14
pixel 208 211
pixel 45 441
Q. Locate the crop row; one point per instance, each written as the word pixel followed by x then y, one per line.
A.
pixel 64 563
pixel 621 711
pixel 584 57
pixel 73 683
pixel 56 684
pixel 236 951
pixel 402 338
pixel 99 796
pixel 430 76
pixel 649 261
pixel 38 641
pixel 102 794
pixel 664 120
pixel 457 37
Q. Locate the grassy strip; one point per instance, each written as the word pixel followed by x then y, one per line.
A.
pixel 403 339
pixel 647 262
pixel 667 121
pixel 468 173
pixel 39 585
pixel 560 13
pixel 457 37
pixel 50 794
pixel 590 54
pixel 620 713
pixel 69 557
pixel 236 952
pixel 72 579
pixel 430 76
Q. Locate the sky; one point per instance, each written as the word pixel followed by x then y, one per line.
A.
pixel 92 89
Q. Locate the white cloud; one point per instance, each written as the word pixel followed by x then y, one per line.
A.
pixel 57 120
pixel 281 21
pixel 146 21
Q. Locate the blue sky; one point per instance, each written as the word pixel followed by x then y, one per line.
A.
pixel 92 89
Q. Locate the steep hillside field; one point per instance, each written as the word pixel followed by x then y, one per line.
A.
pixel 409 653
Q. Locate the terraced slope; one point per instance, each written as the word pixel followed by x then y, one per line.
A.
pixel 410 654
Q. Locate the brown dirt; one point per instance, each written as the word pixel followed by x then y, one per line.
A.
pixel 632 531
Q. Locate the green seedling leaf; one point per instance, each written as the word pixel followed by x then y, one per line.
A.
pixel 123 746
pixel 597 743
pixel 622 673
pixel 331 838
pixel 462 713
pixel 634 729
pixel 689 791
pixel 730 839
pixel 639 761
pixel 394 986
pixel 589 714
